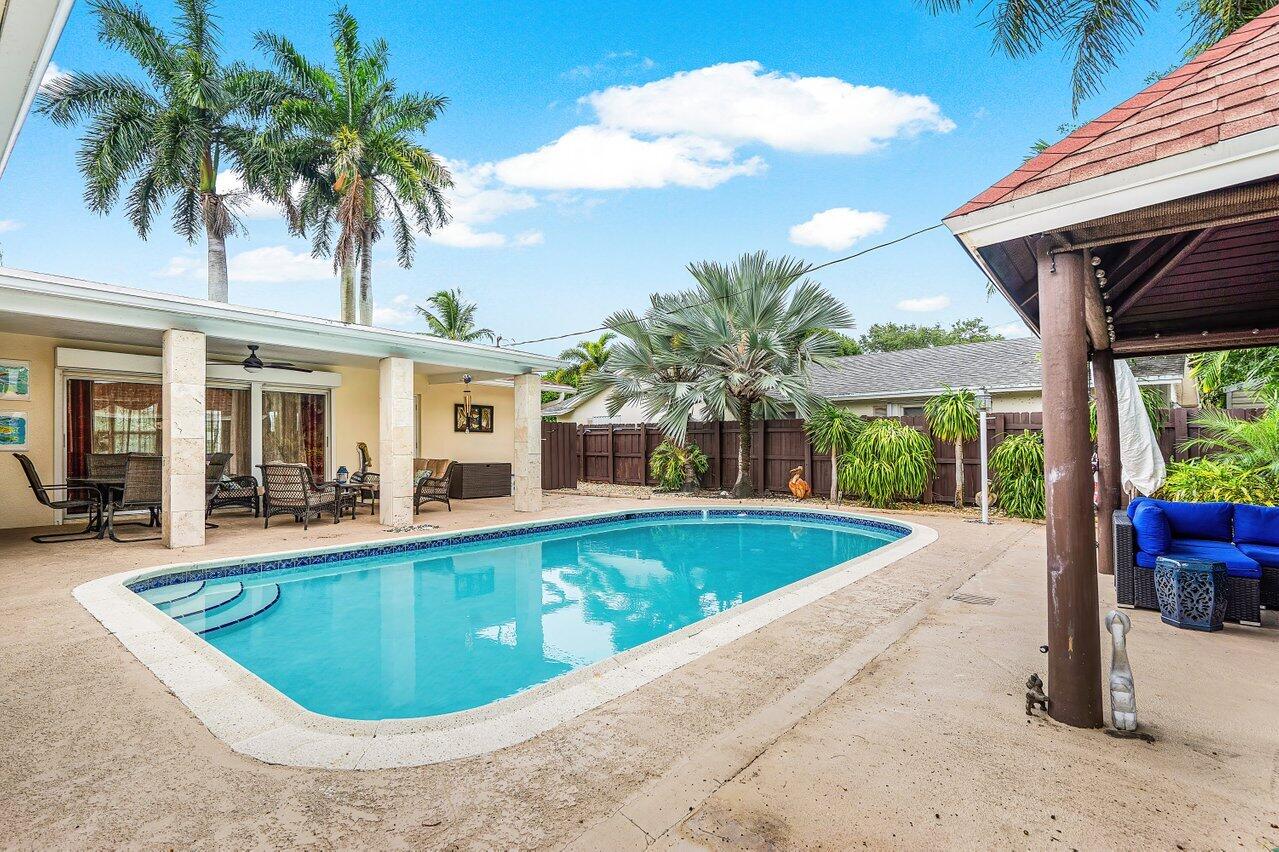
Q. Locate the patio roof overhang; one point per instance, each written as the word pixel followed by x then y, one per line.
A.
pixel 71 309
pixel 29 30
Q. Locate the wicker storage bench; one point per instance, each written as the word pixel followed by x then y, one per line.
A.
pixel 1135 586
pixel 480 479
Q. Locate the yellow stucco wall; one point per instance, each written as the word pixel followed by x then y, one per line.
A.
pixel 18 507
pixel 439 441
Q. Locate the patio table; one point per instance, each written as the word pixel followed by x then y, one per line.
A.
pixel 343 490
pixel 104 485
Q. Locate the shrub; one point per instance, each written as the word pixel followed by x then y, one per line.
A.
pixel 1210 480
pixel 886 461
pixel 832 429
pixel 1018 468
pixel 671 464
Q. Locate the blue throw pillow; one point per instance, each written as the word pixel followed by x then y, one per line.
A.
pixel 1199 520
pixel 1256 524
pixel 1154 535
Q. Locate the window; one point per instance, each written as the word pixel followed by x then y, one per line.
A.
pixel 226 426
pixel 912 410
pixel 295 429
pixel 880 411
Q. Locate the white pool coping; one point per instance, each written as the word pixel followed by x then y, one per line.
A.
pixel 256 719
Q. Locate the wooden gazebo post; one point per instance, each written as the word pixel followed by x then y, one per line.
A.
pixel 1109 472
pixel 1074 644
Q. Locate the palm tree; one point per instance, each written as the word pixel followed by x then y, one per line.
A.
pixel 1097 32
pixel 453 318
pixel 748 332
pixel 352 143
pixel 168 137
pixel 832 429
pixel 952 416
pixel 587 356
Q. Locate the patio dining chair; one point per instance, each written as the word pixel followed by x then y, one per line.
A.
pixel 143 489
pixel 290 489
pixel 105 465
pixel 434 487
pixel 86 501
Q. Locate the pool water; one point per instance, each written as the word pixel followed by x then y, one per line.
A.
pixel 454 628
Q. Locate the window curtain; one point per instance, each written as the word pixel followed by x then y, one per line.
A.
pixel 79 425
pixel 226 426
pixel 294 429
pixel 313 428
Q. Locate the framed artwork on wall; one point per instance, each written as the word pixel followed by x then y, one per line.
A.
pixel 13 431
pixel 481 418
pixel 15 379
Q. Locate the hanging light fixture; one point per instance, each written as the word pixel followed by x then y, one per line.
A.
pixel 466 401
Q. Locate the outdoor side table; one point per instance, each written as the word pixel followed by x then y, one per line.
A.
pixel 1192 592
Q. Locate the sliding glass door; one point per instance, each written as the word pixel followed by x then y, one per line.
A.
pixel 110 417
pixel 295 428
pixel 226 427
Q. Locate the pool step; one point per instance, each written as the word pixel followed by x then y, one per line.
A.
pixel 203 602
pixel 170 594
pixel 255 601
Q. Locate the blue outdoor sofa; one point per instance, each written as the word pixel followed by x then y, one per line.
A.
pixel 1244 537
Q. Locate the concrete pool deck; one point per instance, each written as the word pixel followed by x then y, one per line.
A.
pixel 883 713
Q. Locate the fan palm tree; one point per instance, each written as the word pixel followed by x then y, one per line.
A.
pixel 167 138
pixel 453 318
pixel 952 416
pixel 832 429
pixel 352 142
pixel 587 356
pixel 1097 32
pixel 748 332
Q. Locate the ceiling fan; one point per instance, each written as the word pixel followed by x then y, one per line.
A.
pixel 254 363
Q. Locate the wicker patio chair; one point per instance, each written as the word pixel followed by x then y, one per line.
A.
pixel 289 489
pixel 143 489
pixel 434 487
pixel 86 501
pixel 215 465
pixel 238 491
pixel 1135 586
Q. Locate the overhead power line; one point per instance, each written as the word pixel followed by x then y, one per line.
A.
pixel 806 271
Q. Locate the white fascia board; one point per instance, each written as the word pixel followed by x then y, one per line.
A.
pixel 37 294
pixel 1253 156
pixel 29 31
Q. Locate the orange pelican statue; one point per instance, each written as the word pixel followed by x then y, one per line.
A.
pixel 798 486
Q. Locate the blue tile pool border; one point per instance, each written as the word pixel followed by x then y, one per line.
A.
pixel 461 538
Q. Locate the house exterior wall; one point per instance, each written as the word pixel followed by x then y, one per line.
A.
pixel 354 418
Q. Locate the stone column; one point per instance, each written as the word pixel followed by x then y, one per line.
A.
pixel 527 465
pixel 1109 473
pixel 182 516
pixel 395 441
pixel 1074 635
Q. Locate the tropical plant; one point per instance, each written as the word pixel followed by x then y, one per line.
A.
pixel 1152 400
pixel 452 317
pixel 167 138
pixel 351 142
pixel 1018 468
pixel 1248 444
pixel 1254 369
pixel 677 467
pixel 832 430
pixel 952 416
pixel 1214 480
pixel 585 357
pixel 747 333
pixel 885 462
pixel 1097 32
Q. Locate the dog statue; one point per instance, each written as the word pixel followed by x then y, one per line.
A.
pixel 1035 696
pixel 1123 694
pixel 798 487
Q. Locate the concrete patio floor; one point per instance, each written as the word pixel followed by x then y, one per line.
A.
pixel 895 719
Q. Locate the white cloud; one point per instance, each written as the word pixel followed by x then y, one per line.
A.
pixel 476 200
pixel 925 304
pixel 594 157
pixel 250 205
pixel 398 312
pixel 52 72
pixel 740 102
pixel 179 266
pixel 7 225
pixel 838 228
pixel 1013 329
pixel 529 238
pixel 461 235
pixel 613 64
pixel 277 265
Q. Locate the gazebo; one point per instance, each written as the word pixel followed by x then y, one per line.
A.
pixel 1150 230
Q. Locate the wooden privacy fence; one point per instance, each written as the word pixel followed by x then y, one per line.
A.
pixel 619 453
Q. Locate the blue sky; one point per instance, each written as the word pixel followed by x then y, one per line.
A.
pixel 601 147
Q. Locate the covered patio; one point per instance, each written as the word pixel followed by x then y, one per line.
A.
pixel 113 369
pixel 1151 230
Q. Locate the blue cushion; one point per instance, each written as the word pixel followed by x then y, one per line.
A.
pixel 1266 554
pixel 1237 564
pixel 1256 524
pixel 1154 535
pixel 1192 520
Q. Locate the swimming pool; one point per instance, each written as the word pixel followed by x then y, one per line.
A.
pixel 523 625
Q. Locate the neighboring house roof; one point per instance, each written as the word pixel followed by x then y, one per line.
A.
pixel 567 405
pixel 998 366
pixel 1228 90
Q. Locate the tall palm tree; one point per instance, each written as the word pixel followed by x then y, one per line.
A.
pixel 952 416
pixel 1097 32
pixel 352 142
pixel 453 318
pixel 169 136
pixel 586 357
pixel 748 332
